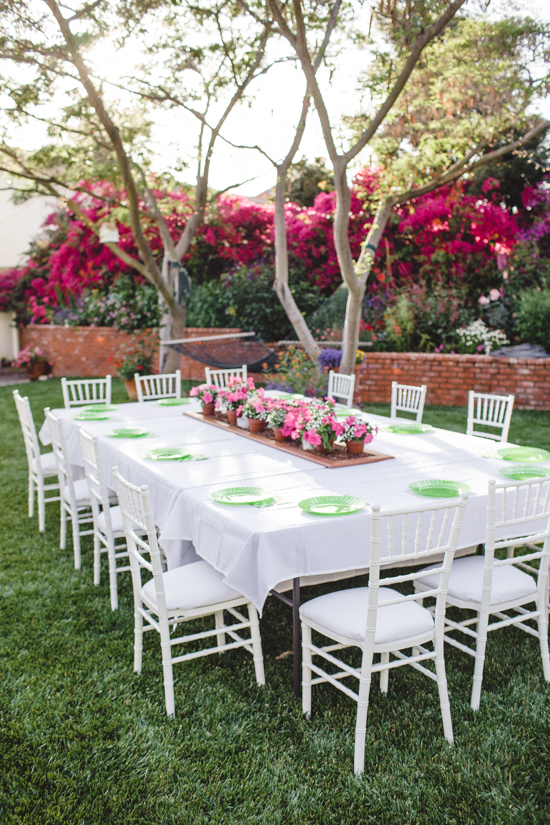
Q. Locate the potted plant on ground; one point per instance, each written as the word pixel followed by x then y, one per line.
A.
pixel 356 434
pixel 207 395
pixel 135 358
pixel 34 361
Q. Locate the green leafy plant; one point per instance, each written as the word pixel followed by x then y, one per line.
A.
pixel 533 317
pixel 136 357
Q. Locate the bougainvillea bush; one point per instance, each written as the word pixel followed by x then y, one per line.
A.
pixel 440 260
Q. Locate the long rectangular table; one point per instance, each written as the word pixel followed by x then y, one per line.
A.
pixel 261 550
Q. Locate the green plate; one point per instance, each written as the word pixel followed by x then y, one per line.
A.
pixel 129 432
pixel 100 408
pixel 526 454
pixel 331 505
pixel 408 429
pixel 173 402
pixel 89 416
pixel 523 472
pixel 437 488
pixel 168 454
pixel 241 495
pixel 345 413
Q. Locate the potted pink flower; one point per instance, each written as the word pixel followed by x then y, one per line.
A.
pixel 356 434
pixel 322 429
pixel 234 396
pixel 256 409
pixel 207 395
pixel 34 361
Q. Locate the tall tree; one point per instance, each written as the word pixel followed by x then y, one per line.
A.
pixel 94 134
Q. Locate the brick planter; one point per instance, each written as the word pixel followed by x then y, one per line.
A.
pixel 85 351
pixel 450 377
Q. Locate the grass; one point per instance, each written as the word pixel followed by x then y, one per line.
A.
pixel 84 740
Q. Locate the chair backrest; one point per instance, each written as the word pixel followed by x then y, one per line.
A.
pixel 341 385
pixel 413 536
pixel 30 438
pixel 135 505
pixel 151 387
pixel 220 377
pixel 95 476
pixel 524 505
pixel 59 445
pixel 491 411
pixel 86 391
pixel 407 398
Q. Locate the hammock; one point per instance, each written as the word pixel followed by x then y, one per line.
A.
pixel 228 351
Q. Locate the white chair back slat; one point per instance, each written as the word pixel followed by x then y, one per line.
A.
pixel 59 447
pixel 490 411
pixel 86 391
pixel 219 378
pixel 28 429
pixel 409 399
pixel 341 386
pixel 153 387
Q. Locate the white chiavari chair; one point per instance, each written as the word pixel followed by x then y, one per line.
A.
pixel 409 399
pixel 381 620
pixel 86 391
pixel 341 387
pixel 41 465
pixel 153 387
pixel 219 378
pixel 490 411
pixel 109 536
pixel 503 588
pixel 174 597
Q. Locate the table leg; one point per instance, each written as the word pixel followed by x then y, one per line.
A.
pixel 296 645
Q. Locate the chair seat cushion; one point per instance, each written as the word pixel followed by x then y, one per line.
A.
pixel 81 492
pixel 345 613
pixel 47 463
pixel 191 586
pixel 117 524
pixel 466 581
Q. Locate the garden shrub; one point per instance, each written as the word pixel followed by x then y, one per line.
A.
pixel 245 298
pixel 533 318
pixel 129 306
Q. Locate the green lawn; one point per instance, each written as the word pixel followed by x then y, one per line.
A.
pixel 83 740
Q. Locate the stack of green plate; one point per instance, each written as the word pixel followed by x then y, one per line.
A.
pixel 100 408
pixel 408 429
pixel 241 495
pixel 523 472
pixel 438 488
pixel 523 454
pixel 88 415
pixel 331 505
pixel 173 402
pixel 129 432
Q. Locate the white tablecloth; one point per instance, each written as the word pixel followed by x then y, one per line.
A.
pixel 257 548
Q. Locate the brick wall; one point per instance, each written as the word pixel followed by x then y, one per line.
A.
pixel 85 351
pixel 449 377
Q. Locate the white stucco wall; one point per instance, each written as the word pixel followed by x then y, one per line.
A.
pixel 19 224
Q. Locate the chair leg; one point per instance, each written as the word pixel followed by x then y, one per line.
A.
pixel 76 540
pixel 167 669
pixel 97 559
pixel 219 624
pixel 63 528
pixel 481 645
pixel 443 692
pixel 362 710
pixel 41 506
pixel 138 638
pixel 31 495
pixel 384 674
pixel 256 644
pixel 113 582
pixel 543 634
pixel 306 670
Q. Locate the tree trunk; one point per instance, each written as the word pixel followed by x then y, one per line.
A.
pixel 362 270
pixel 281 272
pixel 172 324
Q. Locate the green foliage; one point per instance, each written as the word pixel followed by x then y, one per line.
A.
pixel 137 357
pixel 399 324
pixel 533 318
pixel 298 373
pixel 245 298
pixel 307 180
pixel 128 305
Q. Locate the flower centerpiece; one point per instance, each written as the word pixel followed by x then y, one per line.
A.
pixel 34 361
pixel 277 417
pixel 256 409
pixel 234 395
pixel 356 434
pixel 322 428
pixel 207 395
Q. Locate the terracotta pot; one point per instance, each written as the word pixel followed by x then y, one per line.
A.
pixel 232 417
pixel 278 433
pixel 324 450
pixel 40 367
pixel 256 426
pixel 130 384
pixel 209 409
pixel 355 447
